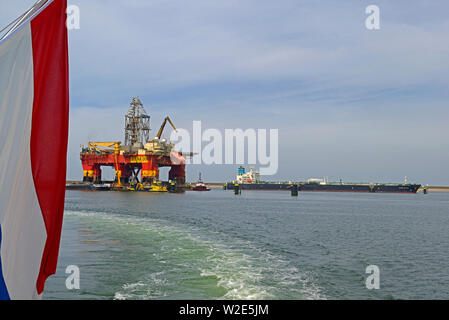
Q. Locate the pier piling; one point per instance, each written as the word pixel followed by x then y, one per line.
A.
pixel 294 190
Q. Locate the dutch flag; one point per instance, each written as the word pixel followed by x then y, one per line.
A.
pixel 34 109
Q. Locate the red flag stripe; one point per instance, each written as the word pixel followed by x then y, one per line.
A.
pixel 49 130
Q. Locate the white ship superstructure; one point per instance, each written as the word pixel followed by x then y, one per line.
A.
pixel 247 177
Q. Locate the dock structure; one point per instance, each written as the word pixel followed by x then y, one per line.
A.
pixel 434 189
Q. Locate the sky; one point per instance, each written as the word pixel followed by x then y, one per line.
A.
pixel 349 103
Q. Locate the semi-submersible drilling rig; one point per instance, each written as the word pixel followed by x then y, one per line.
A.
pixel 138 156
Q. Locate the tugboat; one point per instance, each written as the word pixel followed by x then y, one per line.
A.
pixel 200 186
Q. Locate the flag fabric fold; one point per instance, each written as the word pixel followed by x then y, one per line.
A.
pixel 34 109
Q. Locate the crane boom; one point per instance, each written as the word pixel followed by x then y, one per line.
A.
pixel 102 145
pixel 159 134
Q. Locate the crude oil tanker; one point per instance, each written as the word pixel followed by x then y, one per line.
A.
pixel 251 181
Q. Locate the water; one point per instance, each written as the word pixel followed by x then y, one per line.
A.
pixel 260 245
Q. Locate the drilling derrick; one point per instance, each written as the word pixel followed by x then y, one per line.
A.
pixel 138 160
pixel 137 124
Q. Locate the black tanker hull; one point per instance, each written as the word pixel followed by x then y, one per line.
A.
pixel 379 188
pixel 87 187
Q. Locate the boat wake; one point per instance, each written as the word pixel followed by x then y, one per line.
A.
pixel 183 262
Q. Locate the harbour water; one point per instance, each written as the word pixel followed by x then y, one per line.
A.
pixel 258 245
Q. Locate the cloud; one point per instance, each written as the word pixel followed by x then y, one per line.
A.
pixel 348 143
pixel 356 99
pixel 348 102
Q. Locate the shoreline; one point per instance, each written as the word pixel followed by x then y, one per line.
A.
pixel 218 185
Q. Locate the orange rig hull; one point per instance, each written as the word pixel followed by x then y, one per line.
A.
pixel 130 166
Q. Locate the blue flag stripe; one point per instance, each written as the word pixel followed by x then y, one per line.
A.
pixel 3 290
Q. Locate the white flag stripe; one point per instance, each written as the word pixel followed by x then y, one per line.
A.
pixel 22 225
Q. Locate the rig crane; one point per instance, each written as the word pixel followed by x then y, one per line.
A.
pixel 159 133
